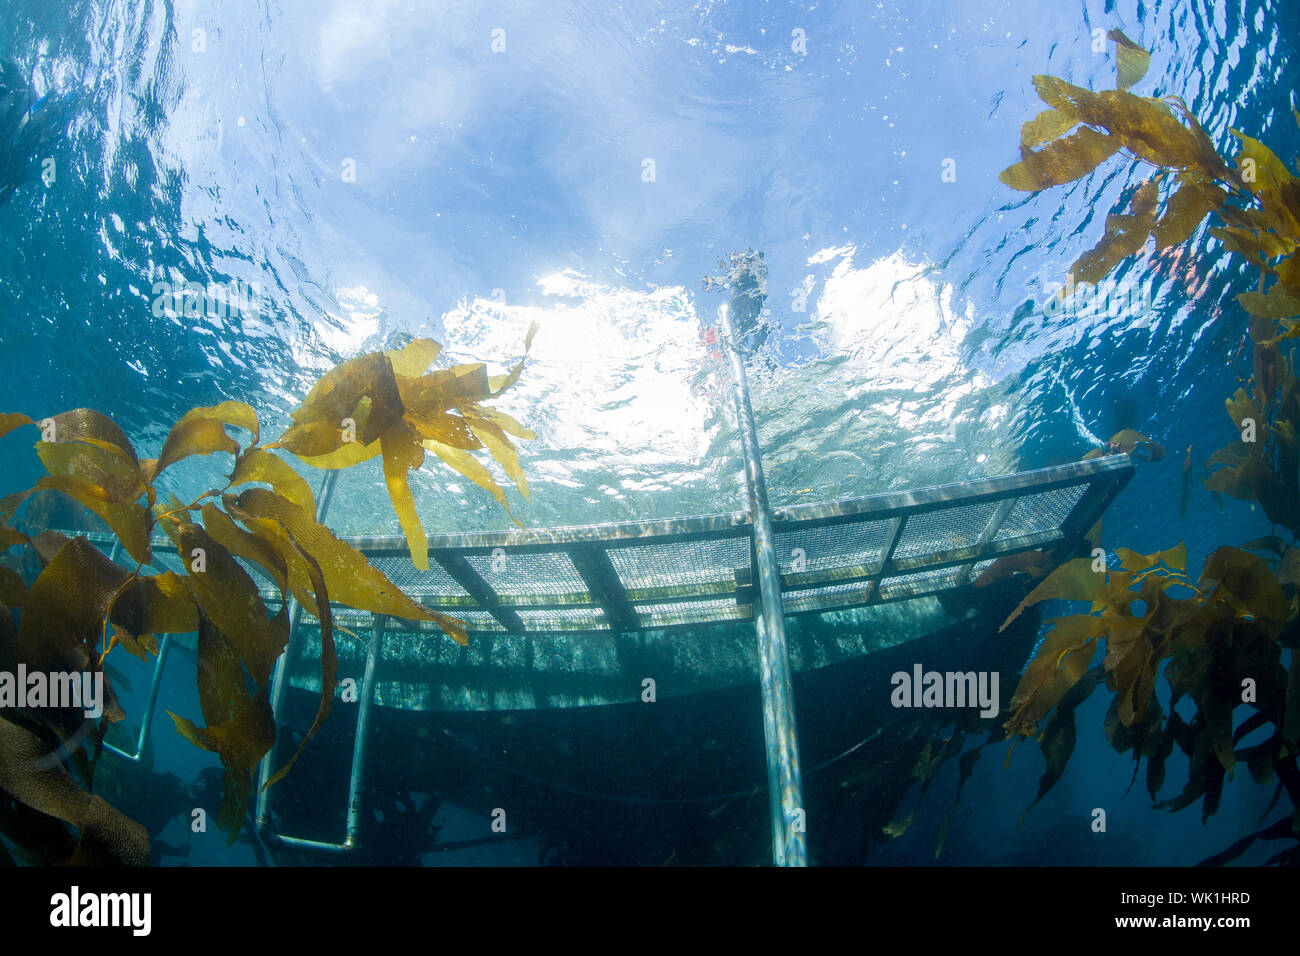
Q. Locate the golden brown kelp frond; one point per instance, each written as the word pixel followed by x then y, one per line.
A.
pixel 260 548
pixel 11 420
pixel 146 605
pixel 228 596
pixel 1062 659
pixel 403 453
pixel 354 402
pixel 1280 302
pixel 34 780
pixel 1125 235
pixel 241 743
pixel 1057 738
pixel 63 619
pixel 469 466
pixel 13 589
pixel 1047 126
pixel 1130 442
pixel 1145 126
pixel 1267 228
pixel 387 405
pixel 1132 61
pixel 1264 464
pixel 1243 583
pixel 500 383
pixel 1264 174
pixel 1063 160
pixel 446 390
pixel 350 578
pixel 1258 198
pixel 264 467
pixel 929 759
pixel 44 790
pixel 202 431
pixel 1193 197
pixel 89 459
pixel 1173 559
pixel 1222 636
pixel 414 358
pixel 240 725
pixel 1073 581
pixel 1025 566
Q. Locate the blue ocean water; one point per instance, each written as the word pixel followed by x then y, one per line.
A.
pixel 366 171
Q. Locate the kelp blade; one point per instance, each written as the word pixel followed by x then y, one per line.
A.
pixel 351 580
pixel 1061 161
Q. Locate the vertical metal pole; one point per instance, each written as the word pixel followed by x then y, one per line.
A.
pixel 362 740
pixel 142 739
pixel 278 681
pixel 360 746
pixel 784 782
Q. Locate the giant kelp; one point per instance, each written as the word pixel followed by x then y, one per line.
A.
pixel 81 605
pixel 1226 639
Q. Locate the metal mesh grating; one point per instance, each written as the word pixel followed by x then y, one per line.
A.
pixel 834 549
pixel 820 598
pixel 918 583
pixel 579 618
pixel 1039 512
pixel 946 530
pixel 684 612
pixel 674 564
pixel 541 572
pixel 478 620
pixel 348 617
pixel 164 560
pixel 413 581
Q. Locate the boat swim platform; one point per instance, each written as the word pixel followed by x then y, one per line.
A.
pixel 549 609
pixel 687 572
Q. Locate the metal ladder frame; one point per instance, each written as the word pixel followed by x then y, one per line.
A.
pixel 361 741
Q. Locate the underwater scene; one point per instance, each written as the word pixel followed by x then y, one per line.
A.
pixel 659 434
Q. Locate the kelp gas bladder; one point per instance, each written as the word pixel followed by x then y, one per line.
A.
pixel 386 405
